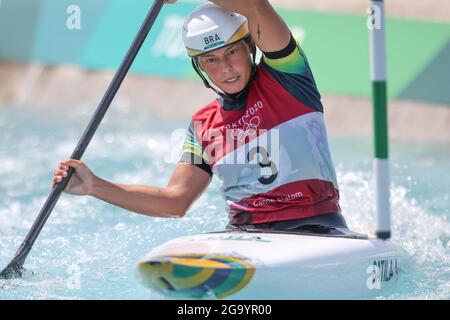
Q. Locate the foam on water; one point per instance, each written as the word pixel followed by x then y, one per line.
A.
pixel 88 249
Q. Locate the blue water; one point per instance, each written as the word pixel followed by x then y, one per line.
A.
pixel 88 249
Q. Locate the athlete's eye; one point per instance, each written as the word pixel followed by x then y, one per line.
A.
pixel 210 60
pixel 232 52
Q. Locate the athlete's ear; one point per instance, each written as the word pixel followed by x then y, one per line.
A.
pixel 251 45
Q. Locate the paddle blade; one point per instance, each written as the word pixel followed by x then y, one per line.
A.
pixel 12 271
pixel 15 268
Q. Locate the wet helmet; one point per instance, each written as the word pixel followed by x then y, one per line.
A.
pixel 210 27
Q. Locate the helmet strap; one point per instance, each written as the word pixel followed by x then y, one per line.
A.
pixel 197 69
pixel 252 46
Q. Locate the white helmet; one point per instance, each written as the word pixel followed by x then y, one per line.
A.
pixel 211 27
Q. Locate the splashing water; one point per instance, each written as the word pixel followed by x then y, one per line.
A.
pixel 88 249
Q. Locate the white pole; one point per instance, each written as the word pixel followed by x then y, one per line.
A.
pixel 376 26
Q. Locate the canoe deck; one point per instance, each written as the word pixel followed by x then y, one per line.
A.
pixel 269 265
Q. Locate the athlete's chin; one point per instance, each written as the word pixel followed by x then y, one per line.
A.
pixel 232 89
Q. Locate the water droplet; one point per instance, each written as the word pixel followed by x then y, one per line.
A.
pixel 120 226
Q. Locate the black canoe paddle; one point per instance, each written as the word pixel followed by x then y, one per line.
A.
pixel 15 267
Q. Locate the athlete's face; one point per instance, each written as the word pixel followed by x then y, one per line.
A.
pixel 229 68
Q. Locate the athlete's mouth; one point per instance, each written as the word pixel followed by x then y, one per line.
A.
pixel 232 80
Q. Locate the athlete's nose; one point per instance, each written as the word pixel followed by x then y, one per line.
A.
pixel 226 67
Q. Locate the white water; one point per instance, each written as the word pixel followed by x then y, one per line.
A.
pixel 87 249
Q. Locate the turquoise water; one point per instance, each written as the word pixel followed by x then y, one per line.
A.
pixel 88 249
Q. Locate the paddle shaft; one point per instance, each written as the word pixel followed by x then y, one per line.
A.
pixel 14 268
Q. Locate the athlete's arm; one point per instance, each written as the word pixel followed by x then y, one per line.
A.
pixel 186 184
pixel 267 28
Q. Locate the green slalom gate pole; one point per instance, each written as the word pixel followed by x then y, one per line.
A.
pixel 379 99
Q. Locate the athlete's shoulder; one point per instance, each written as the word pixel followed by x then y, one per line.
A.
pixel 207 111
pixel 290 68
pixel 290 60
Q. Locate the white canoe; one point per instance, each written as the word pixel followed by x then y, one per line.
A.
pixel 270 265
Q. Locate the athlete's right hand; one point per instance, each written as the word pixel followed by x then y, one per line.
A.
pixel 82 180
